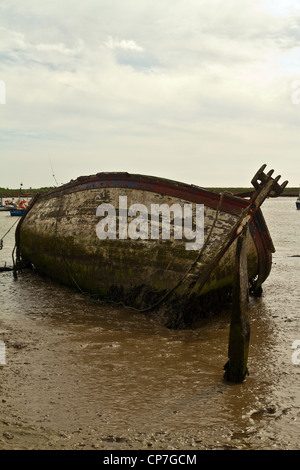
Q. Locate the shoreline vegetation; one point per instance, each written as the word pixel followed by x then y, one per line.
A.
pixel 287 192
pixel 9 192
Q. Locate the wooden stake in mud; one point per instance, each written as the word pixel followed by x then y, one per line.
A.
pixel 239 336
pixel 236 368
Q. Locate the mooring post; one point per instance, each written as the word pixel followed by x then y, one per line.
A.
pixel 236 368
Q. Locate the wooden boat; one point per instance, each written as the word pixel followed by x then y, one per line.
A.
pixel 164 276
pixel 6 207
pixel 18 208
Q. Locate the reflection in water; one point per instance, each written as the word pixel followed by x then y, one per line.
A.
pixel 117 372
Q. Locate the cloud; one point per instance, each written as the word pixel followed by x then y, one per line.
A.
pixel 124 44
pixel 282 7
pixel 149 87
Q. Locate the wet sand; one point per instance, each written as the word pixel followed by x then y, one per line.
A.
pixel 84 376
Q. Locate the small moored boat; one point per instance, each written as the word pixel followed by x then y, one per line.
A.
pixel 18 208
pixel 7 206
pixel 17 212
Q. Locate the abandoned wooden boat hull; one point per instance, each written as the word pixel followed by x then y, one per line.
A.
pixel 60 235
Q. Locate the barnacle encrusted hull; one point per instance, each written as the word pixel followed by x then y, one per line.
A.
pixel 120 238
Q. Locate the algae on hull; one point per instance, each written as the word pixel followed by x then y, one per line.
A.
pixel 58 236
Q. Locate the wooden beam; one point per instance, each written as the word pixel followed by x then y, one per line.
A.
pixel 236 368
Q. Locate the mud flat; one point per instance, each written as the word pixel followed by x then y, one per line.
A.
pixel 84 376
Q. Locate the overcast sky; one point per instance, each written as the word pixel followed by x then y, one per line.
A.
pixel 200 91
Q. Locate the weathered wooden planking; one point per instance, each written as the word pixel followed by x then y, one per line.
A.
pixel 58 236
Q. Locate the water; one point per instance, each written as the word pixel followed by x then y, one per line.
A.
pixel 80 375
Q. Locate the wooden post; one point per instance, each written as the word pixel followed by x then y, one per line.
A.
pixel 239 335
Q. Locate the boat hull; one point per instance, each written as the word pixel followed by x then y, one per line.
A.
pixel 60 236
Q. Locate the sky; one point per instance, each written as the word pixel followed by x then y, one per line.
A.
pixel 199 91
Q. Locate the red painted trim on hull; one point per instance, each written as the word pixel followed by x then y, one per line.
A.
pixel 231 204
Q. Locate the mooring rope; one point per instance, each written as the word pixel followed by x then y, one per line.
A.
pixel 170 291
pixel 200 254
pixel 1 240
pixel 121 303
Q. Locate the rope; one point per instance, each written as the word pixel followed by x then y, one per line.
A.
pixel 1 240
pixel 192 265
pixel 1 246
pixel 163 298
pixel 141 310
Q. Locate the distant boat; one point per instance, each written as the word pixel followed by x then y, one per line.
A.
pixel 7 206
pixel 64 236
pixel 17 212
pixel 298 201
pixel 19 208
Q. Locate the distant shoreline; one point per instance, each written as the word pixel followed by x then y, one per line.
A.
pixel 288 192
